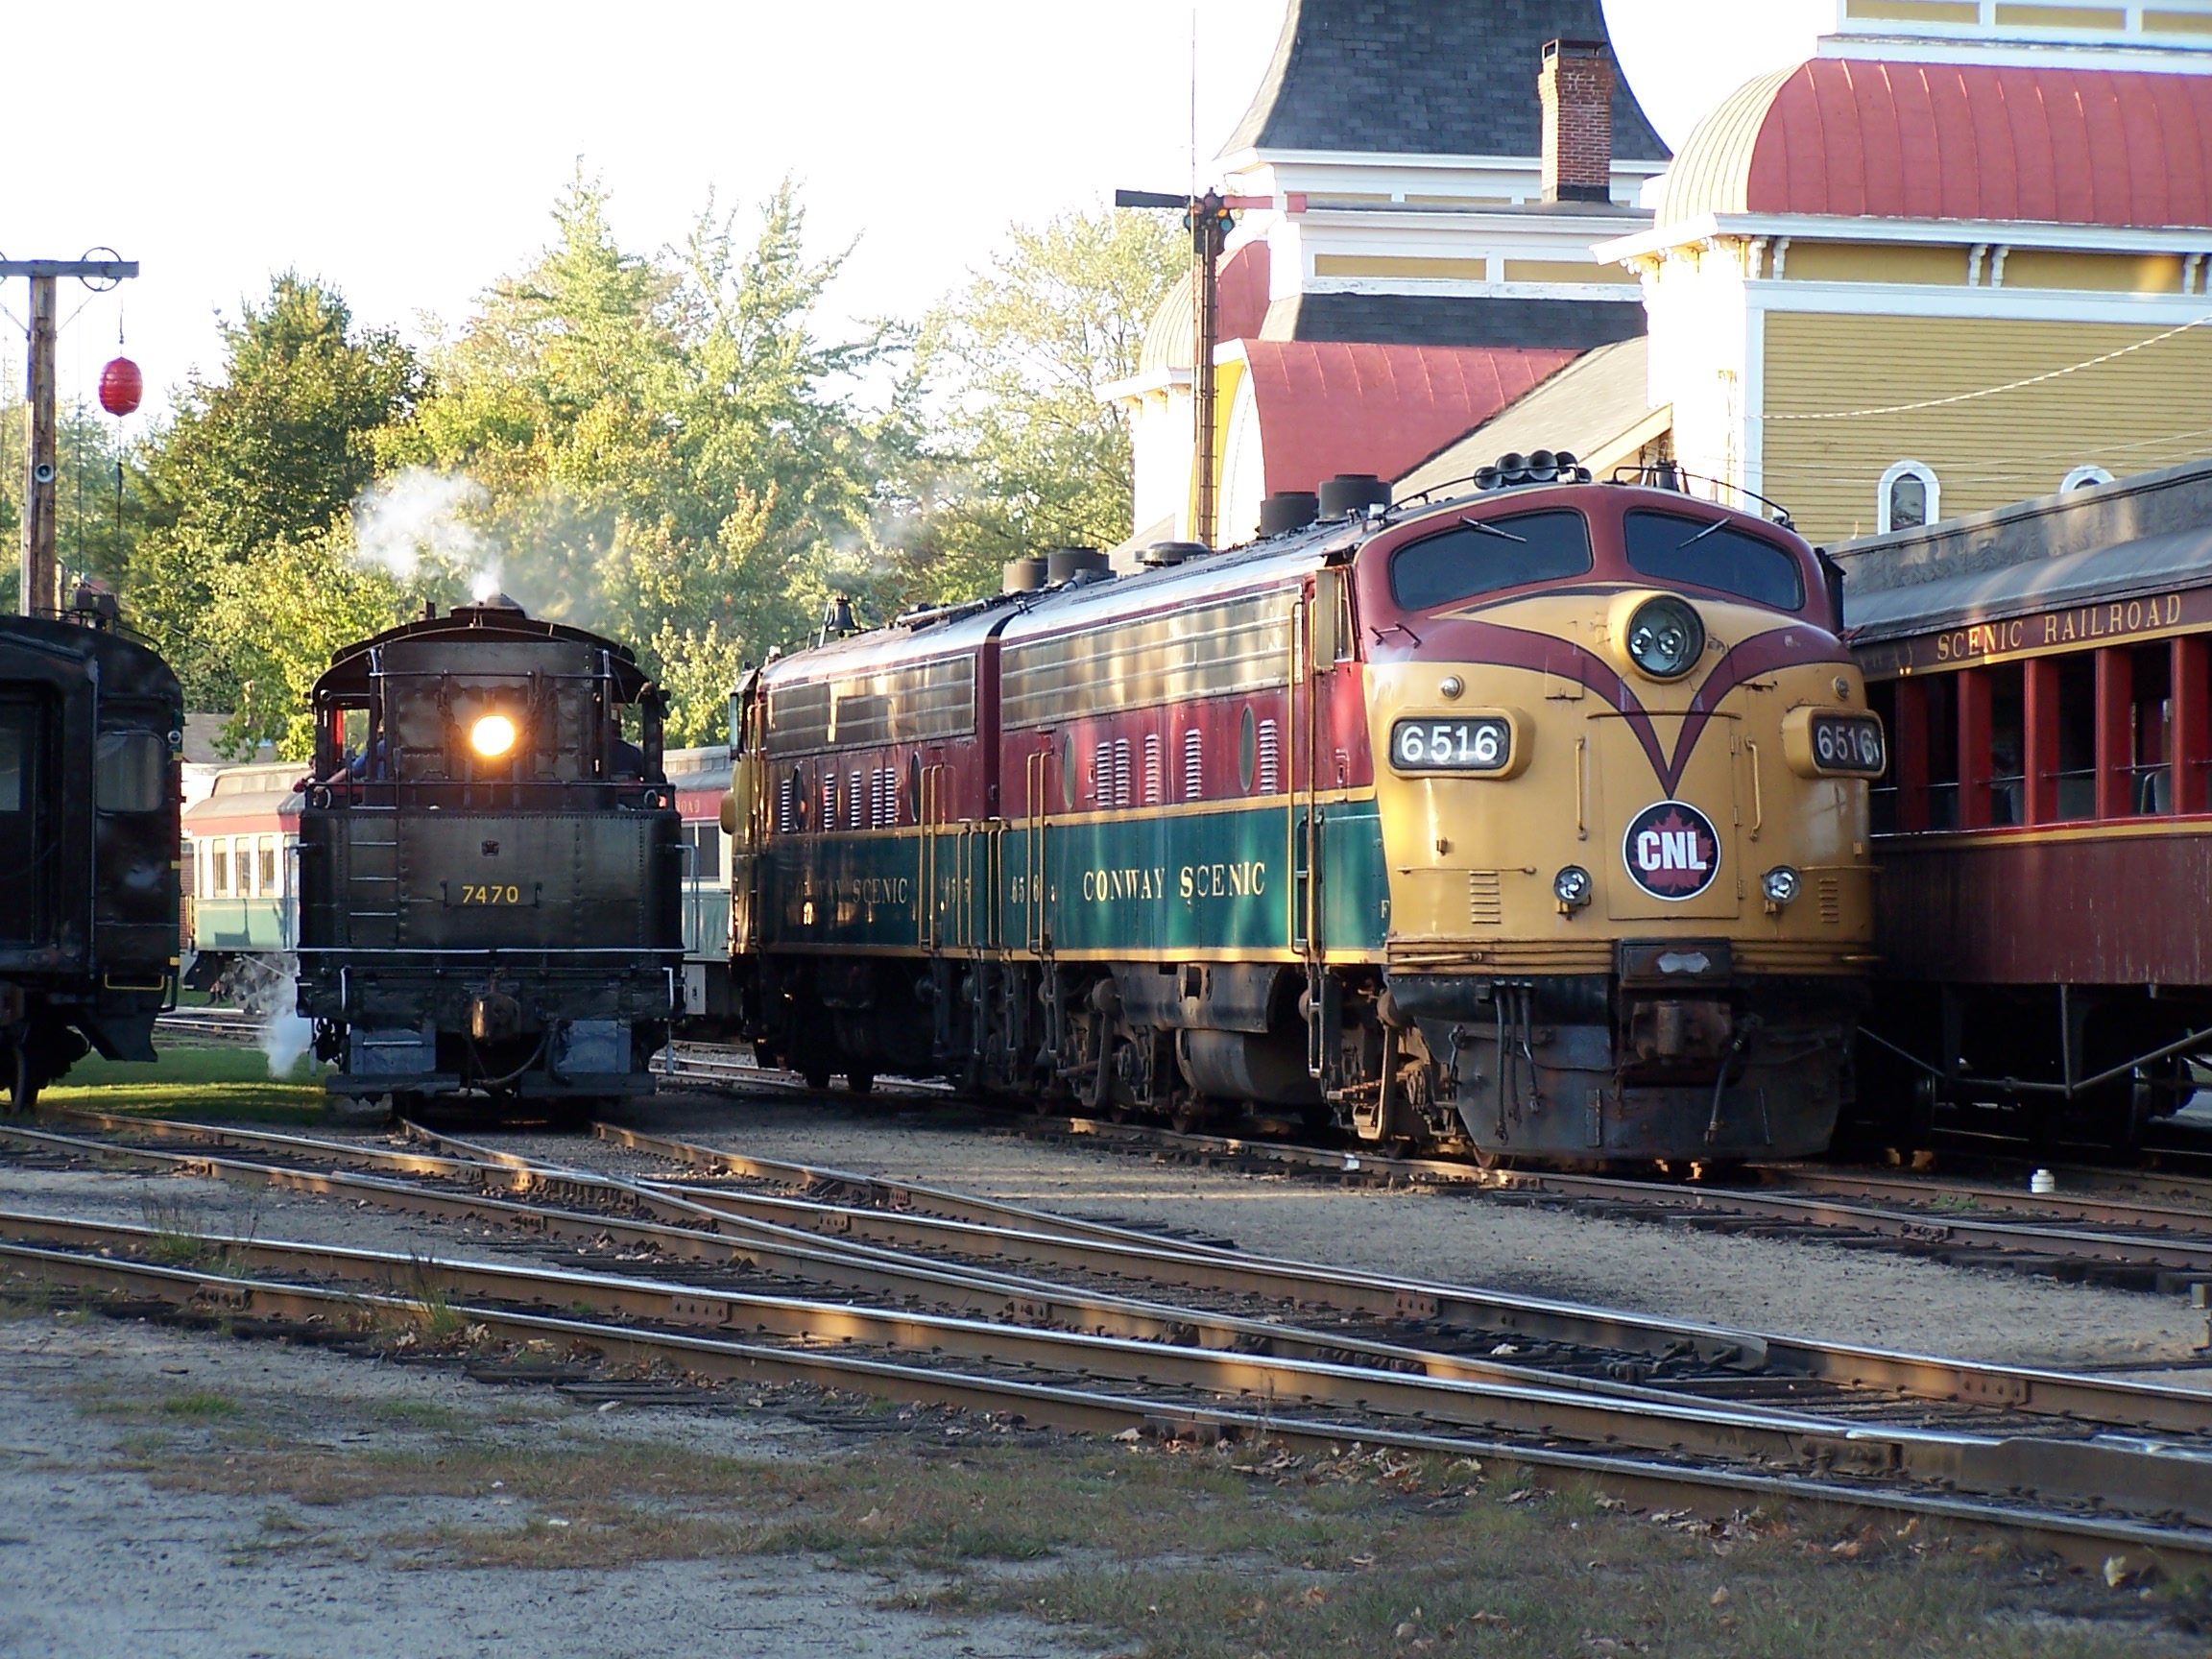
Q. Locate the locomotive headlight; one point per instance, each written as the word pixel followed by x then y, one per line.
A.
pixel 491 736
pixel 1572 888
pixel 1664 637
pixel 1780 885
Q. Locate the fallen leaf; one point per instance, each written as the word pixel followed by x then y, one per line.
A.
pixel 1404 1632
pixel 1850 1549
pixel 1315 1596
pixel 1721 1597
pixel 1129 1436
pixel 2116 1571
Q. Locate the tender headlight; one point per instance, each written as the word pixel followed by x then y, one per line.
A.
pixel 491 736
pixel 1780 885
pixel 1666 638
pixel 1572 887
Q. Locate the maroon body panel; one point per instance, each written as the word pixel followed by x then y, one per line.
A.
pixel 2034 909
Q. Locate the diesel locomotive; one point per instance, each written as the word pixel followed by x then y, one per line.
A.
pixel 91 725
pixel 1530 824
pixel 491 869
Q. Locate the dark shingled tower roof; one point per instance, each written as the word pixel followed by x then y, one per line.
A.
pixel 1424 77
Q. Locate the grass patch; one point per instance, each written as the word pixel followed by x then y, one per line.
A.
pixel 229 1083
pixel 421 1414
pixel 203 1403
pixel 1205 1555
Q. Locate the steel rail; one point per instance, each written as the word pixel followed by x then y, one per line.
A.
pixel 2031 1390
pixel 863 1270
pixel 2079 1536
pixel 1909 1190
pixel 2051 1467
pixel 1719 1202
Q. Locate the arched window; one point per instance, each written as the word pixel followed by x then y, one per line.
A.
pixel 1908 497
pixel 2083 478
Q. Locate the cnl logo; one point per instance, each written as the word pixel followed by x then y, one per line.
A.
pixel 1671 850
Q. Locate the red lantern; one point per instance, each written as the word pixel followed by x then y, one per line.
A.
pixel 121 387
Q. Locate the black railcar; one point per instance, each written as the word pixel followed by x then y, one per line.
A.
pixel 490 870
pixel 90 726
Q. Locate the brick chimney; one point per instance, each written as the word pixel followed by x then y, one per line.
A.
pixel 1576 86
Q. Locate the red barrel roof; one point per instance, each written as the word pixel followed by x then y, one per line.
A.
pixel 1974 141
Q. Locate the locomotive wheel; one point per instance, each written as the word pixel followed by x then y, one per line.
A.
pixel 859 1082
pixel 816 1073
pixel 22 1081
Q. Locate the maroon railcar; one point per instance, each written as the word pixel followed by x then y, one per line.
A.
pixel 2045 832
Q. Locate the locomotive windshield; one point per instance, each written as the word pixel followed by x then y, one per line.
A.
pixel 1713 553
pixel 1486 555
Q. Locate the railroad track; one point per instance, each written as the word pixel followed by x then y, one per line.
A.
pixel 921 1305
pixel 216 1024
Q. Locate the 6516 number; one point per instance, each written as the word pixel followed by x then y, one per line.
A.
pixel 1479 744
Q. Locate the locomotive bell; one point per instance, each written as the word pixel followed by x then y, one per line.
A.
pixel 493 1015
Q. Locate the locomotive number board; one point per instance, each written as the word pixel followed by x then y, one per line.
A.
pixel 476 893
pixel 1478 744
pixel 1848 743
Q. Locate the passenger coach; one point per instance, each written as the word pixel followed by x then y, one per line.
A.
pixel 1531 822
pixel 2045 832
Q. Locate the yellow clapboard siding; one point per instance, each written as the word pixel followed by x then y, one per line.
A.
pixel 2103 273
pixel 1407 265
pixel 1913 12
pixel 1563 271
pixel 2033 16
pixel 1875 262
pixel 2149 409
pixel 2177 23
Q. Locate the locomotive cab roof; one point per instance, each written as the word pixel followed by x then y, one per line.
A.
pixel 497 619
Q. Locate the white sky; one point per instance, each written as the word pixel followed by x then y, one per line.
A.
pixel 408 152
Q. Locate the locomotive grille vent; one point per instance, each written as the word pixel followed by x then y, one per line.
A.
pixel 1193 765
pixel 1102 775
pixel 1485 899
pixel 1154 781
pixel 1831 901
pixel 787 805
pixel 828 800
pixel 1120 771
pixel 855 804
pixel 1270 769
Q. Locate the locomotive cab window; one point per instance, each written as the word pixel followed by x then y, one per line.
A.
pixel 16 726
pixel 130 771
pixel 1713 553
pixel 1480 556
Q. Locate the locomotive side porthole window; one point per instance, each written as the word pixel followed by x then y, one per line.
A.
pixel 1488 555
pixel 1247 751
pixel 1070 786
pixel 2083 478
pixel 130 772
pixel 1908 497
pixel 914 787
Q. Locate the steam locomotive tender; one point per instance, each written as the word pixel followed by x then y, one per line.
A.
pixel 1530 824
pixel 90 726
pixel 490 870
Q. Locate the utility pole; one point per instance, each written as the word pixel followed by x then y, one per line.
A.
pixel 1207 218
pixel 41 560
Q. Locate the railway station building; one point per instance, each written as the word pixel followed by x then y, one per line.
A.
pixel 1959 256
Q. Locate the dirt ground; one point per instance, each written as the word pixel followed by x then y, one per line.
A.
pixel 102 1555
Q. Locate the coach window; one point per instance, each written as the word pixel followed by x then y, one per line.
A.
pixel 2149 738
pixel 130 772
pixel 265 873
pixel 2007 744
pixel 1942 751
pixel 2077 735
pixel 2189 722
pixel 1489 554
pixel 1908 497
pixel 219 866
pixel 242 866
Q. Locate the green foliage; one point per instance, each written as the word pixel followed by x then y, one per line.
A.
pixel 661 448
pixel 271 454
pixel 662 461
pixel 999 438
pixel 91 539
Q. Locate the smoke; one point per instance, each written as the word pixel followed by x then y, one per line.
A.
pixel 418 518
pixel 269 986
